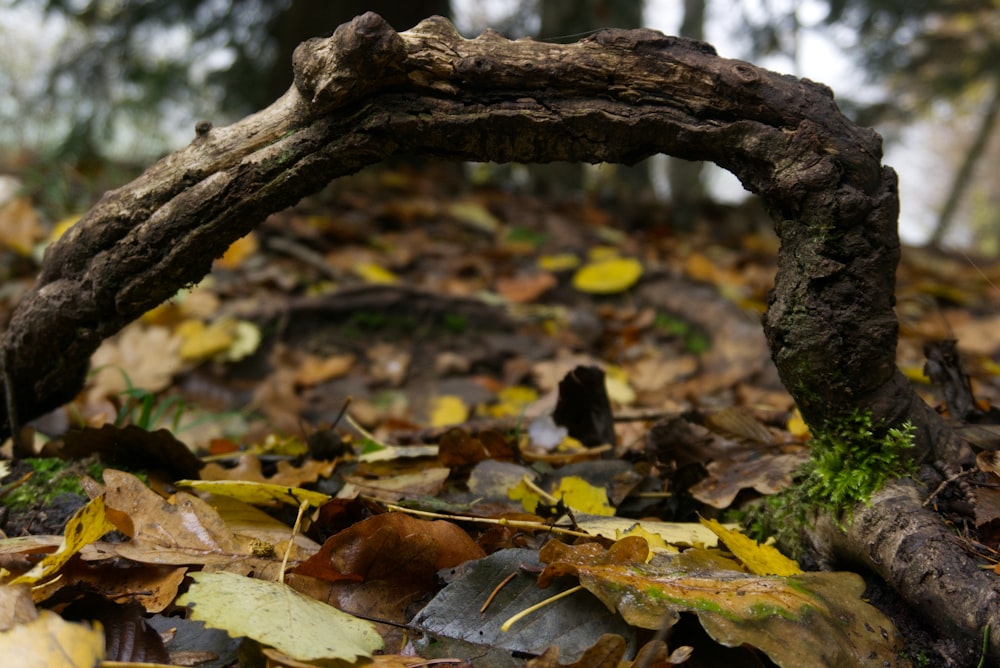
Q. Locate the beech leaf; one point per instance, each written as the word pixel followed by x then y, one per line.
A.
pixel 278 616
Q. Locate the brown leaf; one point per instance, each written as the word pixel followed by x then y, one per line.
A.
pixel 392 547
pixel 183 521
pixel 527 288
pixel 129 447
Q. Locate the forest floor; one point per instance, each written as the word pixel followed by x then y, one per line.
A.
pixel 398 343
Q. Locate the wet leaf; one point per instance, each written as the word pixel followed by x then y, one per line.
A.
pixel 812 619
pixel 280 617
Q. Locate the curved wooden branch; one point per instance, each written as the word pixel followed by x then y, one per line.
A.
pixel 367 93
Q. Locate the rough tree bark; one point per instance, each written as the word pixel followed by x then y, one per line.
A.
pixel 367 93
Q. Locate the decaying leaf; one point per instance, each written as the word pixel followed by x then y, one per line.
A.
pixel 277 615
pixel 811 619
pixel 571 624
pixel 767 473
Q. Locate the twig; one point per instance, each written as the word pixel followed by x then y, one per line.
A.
pixel 527 611
pixel 496 590
pixel 514 524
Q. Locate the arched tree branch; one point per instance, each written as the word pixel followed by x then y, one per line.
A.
pixel 368 93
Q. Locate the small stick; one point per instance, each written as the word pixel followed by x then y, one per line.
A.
pixel 527 611
pixel 496 590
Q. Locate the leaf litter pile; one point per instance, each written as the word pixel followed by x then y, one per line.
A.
pixel 415 422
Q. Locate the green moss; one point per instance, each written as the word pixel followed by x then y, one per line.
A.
pixel 849 460
pixel 695 341
pixel 51 478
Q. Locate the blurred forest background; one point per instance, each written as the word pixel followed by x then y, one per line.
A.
pixel 95 90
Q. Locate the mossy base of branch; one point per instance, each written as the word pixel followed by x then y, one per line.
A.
pixel 850 459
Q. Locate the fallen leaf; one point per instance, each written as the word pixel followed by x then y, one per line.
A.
pixel 526 288
pixel 257 493
pixel 125 361
pixel 811 619
pixel 16 606
pixel 447 410
pixel 392 547
pixel 278 616
pixel 571 624
pixel 374 273
pixel 607 276
pixel 581 495
pixel 427 482
pixel 238 251
pixel 51 642
pixel 183 521
pixel 759 559
pixel 313 370
pixel 85 526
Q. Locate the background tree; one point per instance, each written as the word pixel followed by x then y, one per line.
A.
pixel 921 54
pixel 566 22
pixel 134 61
pixel 685 177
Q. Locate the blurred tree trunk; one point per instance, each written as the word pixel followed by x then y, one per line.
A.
pixel 964 175
pixel 568 21
pixel 686 188
pixel 319 18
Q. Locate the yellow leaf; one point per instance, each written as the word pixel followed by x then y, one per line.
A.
pixel 580 495
pixel 511 401
pixel 475 215
pixel 200 341
pixel 257 493
pixel 673 533
pixel 653 540
pixel 246 340
pixel 618 388
pixel 448 409
pixel 61 227
pixel 528 497
pixel 558 262
pixel 278 616
pixel 796 426
pixel 51 642
pixel 607 276
pixel 83 528
pixel 240 250
pixel 759 559
pixel 915 373
pixel 601 253
pixel 374 273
